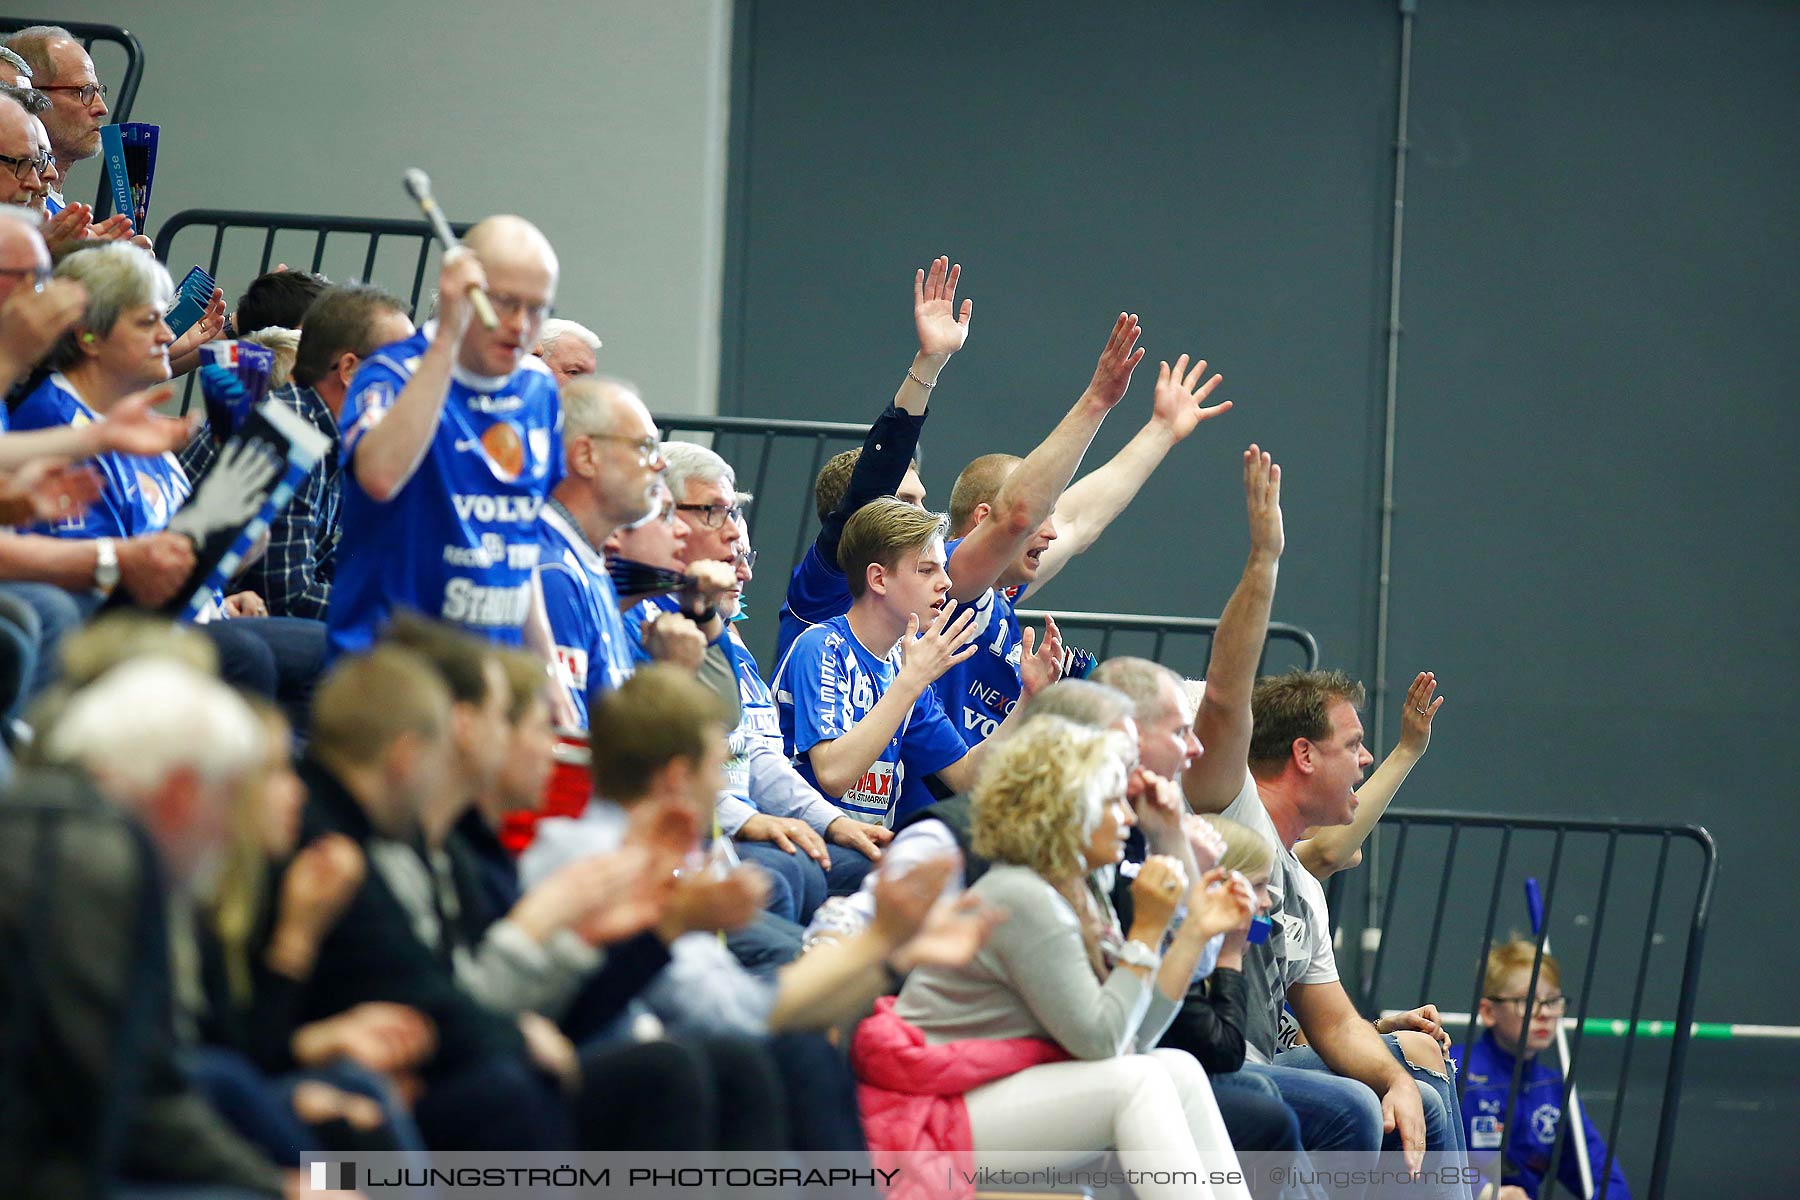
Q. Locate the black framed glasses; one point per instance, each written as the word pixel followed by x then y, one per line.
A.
pixel 1550 1004
pixel 39 276
pixel 21 167
pixel 84 92
pixel 712 515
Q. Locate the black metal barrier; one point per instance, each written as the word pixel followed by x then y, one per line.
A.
pixel 120 102
pixel 1455 884
pixel 235 247
pixel 1181 643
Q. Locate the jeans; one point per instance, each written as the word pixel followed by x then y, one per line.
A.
pixel 800 885
pixel 1443 1122
pixel 765 945
pixel 58 612
pixel 1334 1113
pixel 276 657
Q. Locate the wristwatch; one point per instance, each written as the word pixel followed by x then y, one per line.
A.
pixel 1135 954
pixel 106 566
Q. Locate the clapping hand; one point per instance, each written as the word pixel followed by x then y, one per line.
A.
pixel 944 643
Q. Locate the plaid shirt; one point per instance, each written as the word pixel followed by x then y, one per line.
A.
pixel 294 575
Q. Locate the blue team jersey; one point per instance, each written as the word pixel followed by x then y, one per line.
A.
pixel 978 692
pixel 593 651
pixel 759 720
pixel 1526 1137
pixel 827 683
pixel 460 541
pixel 138 495
pixel 817 591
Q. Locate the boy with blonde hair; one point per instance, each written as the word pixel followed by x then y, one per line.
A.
pixel 1519 1022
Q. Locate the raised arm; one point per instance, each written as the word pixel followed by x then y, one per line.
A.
pixel 839 763
pixel 1223 722
pixel 894 437
pixel 1339 847
pixel 390 451
pixel 1092 502
pixel 1030 493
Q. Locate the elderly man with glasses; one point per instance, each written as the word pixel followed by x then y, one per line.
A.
pixel 62 70
pixel 23 159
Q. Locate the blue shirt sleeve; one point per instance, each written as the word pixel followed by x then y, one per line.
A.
pixel 811 694
pixel 931 742
pixel 371 394
pixel 578 649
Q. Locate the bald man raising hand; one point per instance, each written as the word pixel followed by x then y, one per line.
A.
pixel 452 443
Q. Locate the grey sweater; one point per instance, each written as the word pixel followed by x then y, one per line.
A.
pixel 1033 979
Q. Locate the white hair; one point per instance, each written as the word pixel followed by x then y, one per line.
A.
pixel 15 62
pixel 31 218
pixel 149 716
pixel 690 461
pixel 554 329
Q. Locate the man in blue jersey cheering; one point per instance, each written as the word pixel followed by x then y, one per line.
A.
pixel 857 711
pixel 452 444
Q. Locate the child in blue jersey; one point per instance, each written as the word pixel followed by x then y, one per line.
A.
pixel 884 465
pixel 1525 1135
pixel 857 711
pixel 452 444
pixel 614 471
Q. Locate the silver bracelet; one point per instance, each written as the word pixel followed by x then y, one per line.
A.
pixel 917 380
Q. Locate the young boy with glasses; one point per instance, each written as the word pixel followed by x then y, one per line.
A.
pixel 1519 1023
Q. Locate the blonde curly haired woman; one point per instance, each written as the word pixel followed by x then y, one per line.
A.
pixel 1050 812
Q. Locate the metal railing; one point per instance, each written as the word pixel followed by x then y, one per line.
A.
pixel 119 104
pixel 398 255
pixel 1181 643
pixel 1448 876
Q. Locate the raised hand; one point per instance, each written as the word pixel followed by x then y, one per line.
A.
pixel 133 426
pixel 1181 397
pixel 1112 375
pixel 320 882
pixel 1040 668
pixel 941 332
pixel 1262 495
pixel 1420 710
pixel 116 228
pixel 1159 806
pixel 460 272
pixel 948 640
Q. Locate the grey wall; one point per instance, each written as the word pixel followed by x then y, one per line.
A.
pixel 1596 493
pixel 604 123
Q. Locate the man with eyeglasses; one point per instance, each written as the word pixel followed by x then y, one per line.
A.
pixel 62 70
pixel 23 159
pixel 452 445
pixel 614 467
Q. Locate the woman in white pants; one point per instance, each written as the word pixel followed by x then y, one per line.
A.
pixel 1050 811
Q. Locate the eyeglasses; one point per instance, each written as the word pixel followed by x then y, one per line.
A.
pixel 509 306
pixel 712 515
pixel 21 167
pixel 647 447
pixel 747 557
pixel 1549 1004
pixel 85 92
